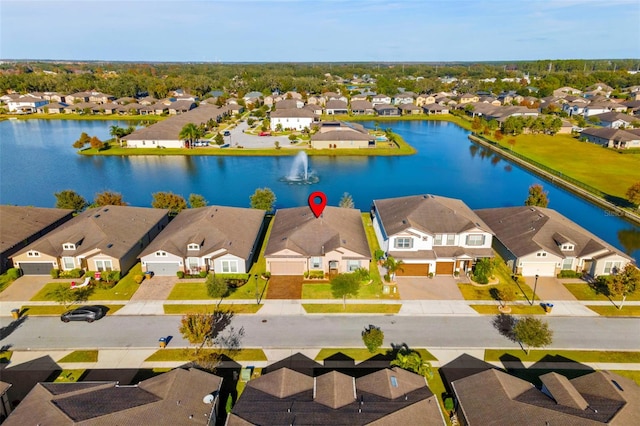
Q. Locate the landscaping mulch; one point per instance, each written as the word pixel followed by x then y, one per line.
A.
pixel 285 287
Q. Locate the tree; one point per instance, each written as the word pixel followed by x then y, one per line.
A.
pixel 197 200
pixel 82 141
pixel 216 286
pixel 263 199
pixel 346 201
pixel 168 200
pixel 343 285
pixel 372 337
pixel 69 199
pixel 624 283
pixel 537 196
pixel 512 142
pixel 219 139
pixel 393 266
pixel 506 294
pixel 533 333
pixel 67 296
pixel 483 270
pixel 97 143
pixel 411 360
pixel 117 132
pixel 633 194
pixel 108 198
pixel 189 133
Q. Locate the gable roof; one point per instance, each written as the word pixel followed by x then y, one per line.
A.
pixel 299 230
pixel 231 229
pixel 20 223
pixel 430 214
pixel 114 230
pixel 525 230
pixel 610 133
pixel 293 113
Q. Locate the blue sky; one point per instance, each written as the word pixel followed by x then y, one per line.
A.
pixel 319 30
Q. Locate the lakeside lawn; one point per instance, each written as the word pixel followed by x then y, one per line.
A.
pixel 537 355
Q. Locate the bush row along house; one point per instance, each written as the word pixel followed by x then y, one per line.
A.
pixel 430 234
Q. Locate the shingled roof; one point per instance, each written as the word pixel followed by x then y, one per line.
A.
pixel 20 223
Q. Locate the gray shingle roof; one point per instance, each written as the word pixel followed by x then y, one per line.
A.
pixel 18 223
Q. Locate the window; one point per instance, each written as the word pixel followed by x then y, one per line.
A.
pixel 68 246
pixel 612 267
pixel 437 240
pixel 33 253
pixel 567 247
pixel 68 263
pixel 352 265
pixel 192 263
pixel 193 247
pixel 161 254
pixel 229 266
pixel 403 242
pixel 475 240
pixel 103 265
pixel 567 263
pixel 316 263
pixel 451 239
pixel 541 254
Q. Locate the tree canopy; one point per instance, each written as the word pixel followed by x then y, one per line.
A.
pixel 168 200
pixel 109 198
pixel 633 194
pixel 263 199
pixel 197 200
pixel 537 196
pixel 372 337
pixel 533 333
pixel 343 285
pixel 347 201
pixel 623 282
pixel 69 199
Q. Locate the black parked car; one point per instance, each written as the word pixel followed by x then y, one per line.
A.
pixel 83 313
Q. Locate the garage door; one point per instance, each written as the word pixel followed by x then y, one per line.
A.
pixel 163 269
pixel 543 269
pixel 36 268
pixel 414 270
pixel 444 268
pixel 287 268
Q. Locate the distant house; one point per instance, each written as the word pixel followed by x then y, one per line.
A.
pixel 410 109
pixel 100 98
pixel 333 243
pixel 425 99
pixel 212 238
pixel 335 107
pixel 99 239
pixel 361 108
pixel 615 120
pixel 21 226
pixel 177 397
pixel 386 109
pixel 540 241
pixel 403 98
pixel 612 138
pixel 26 104
pixel 381 99
pixel 430 234
pixel 295 119
pixel 336 134
pixel 468 97
pixel 181 106
pixel 332 96
pixel 289 104
pixel 435 109
pixel 52 108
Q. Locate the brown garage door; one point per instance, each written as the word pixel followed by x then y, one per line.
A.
pixel 444 268
pixel 287 268
pixel 414 270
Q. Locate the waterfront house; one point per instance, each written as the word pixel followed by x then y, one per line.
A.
pixel 425 99
pixel 52 108
pixel 430 234
pixel 614 120
pixel 26 104
pixel 334 107
pixel 338 134
pixel 361 108
pixel 386 109
pixel 100 98
pixel 21 226
pixel 381 99
pixel 213 238
pixel 333 243
pixel 435 109
pixel 611 137
pixel 409 109
pixel 540 241
pixel 99 239
pixel 403 98
pixel 292 118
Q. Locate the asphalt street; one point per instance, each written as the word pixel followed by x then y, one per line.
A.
pixel 321 331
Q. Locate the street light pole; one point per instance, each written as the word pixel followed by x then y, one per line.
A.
pixel 535 285
pixel 257 293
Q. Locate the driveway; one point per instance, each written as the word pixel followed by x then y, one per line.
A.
pixel 549 288
pixel 422 288
pixel 25 287
pixel 157 288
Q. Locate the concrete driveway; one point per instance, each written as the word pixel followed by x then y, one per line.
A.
pixel 423 288
pixel 549 288
pixel 157 288
pixel 25 287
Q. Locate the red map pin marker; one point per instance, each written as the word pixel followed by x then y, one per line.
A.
pixel 317 206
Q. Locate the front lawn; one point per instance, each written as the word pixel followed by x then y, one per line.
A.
pixel 182 309
pixel 362 354
pixel 166 355
pixel 578 356
pixel 592 291
pixel 489 292
pixel 322 290
pixel 189 291
pixel 536 309
pixel 81 356
pixel 5 281
pixel 356 308
pixel 36 310
pixel 613 311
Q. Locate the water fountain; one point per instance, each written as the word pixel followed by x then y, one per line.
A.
pixel 299 172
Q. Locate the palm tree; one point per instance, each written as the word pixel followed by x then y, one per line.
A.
pixel 393 266
pixel 116 132
pixel 189 133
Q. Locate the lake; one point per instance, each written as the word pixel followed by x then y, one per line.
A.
pixel 37 159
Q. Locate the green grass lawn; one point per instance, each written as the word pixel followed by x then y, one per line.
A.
pixel 5 357
pixel 437 387
pixel 578 356
pixel 351 308
pixel 503 274
pixel 592 292
pixel 87 117
pixel 170 309
pixel 81 356
pixel 163 355
pixel 374 272
pixel 70 375
pixel 631 374
pixel 612 311
pixel 362 354
pixel 536 309
pixel 36 310
pixel 196 290
pixel 5 281
pixel 322 290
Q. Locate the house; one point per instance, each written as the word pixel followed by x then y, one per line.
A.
pixel 177 397
pixel 99 239
pixel 361 107
pixel 596 108
pixel 21 226
pixel 430 234
pixel 493 397
pixel 333 243
pixel 332 96
pixel 574 108
pixel 410 109
pixel 100 98
pixel 614 120
pixel 52 108
pixel 425 99
pixel 5 405
pixel 26 104
pixel 435 109
pixel 386 109
pixel 212 238
pixel 403 98
pixel 314 108
pixel 133 108
pixel 289 104
pixel 77 97
pixel 147 100
pixel 468 97
pixel 292 118
pixel 108 108
pixel 334 107
pixel 181 106
pixel 611 138
pixel 540 241
pixel 337 134
pixel 322 395
pixel 381 99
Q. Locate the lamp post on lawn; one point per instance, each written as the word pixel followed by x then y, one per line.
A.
pixel 535 284
pixel 257 293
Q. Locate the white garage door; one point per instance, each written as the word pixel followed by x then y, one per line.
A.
pixel 163 269
pixel 542 269
pixel 287 268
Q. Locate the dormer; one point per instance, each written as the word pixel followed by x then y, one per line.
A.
pixel 564 243
pixel 161 253
pixel 33 253
pixel 68 246
pixel 193 246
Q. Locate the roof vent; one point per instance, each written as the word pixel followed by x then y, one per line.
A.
pixel 96 216
pixel 425 196
pixel 109 245
pixel 105 210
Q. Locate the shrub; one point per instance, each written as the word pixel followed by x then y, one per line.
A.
pixel 316 274
pixel 216 286
pixel 482 270
pixel 138 279
pixel 387 278
pixel 373 338
pixel 110 277
pixel 378 254
pixel 13 273
pixel 448 403
pixel 306 274
pixel 362 274
pixel 235 282
pixel 568 273
pixel 203 274
pixel 180 274
pixel 55 273
pixel 74 273
pixel 267 274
